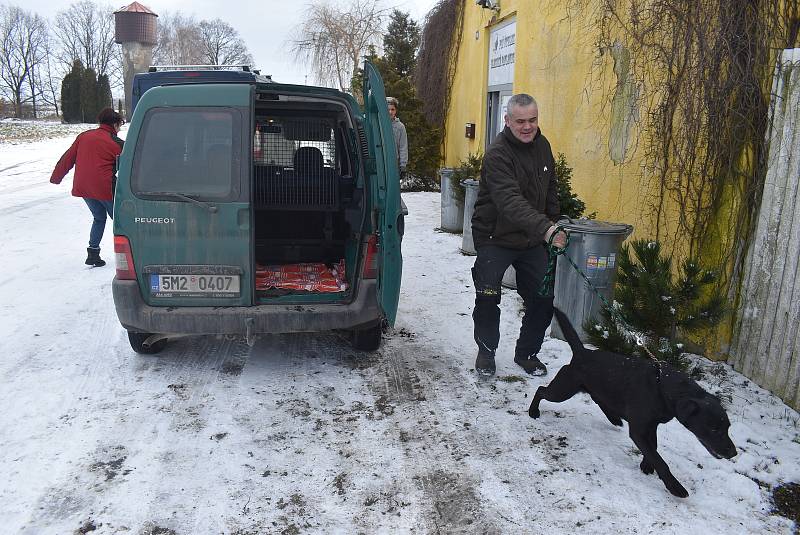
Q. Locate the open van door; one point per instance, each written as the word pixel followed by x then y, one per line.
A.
pixel 385 190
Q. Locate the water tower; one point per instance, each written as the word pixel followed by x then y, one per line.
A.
pixel 135 29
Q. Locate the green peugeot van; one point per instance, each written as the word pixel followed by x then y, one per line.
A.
pixel 252 207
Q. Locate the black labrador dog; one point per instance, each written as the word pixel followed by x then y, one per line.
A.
pixel 645 395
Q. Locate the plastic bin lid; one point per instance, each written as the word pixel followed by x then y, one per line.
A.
pixel 593 226
pixel 470 182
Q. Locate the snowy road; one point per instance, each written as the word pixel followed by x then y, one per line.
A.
pixel 301 434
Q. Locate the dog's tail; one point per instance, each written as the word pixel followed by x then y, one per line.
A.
pixel 569 332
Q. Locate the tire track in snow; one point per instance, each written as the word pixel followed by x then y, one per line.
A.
pixel 410 376
pixel 299 398
pixel 4 169
pixel 24 187
pixel 14 208
pixel 139 447
pixel 63 496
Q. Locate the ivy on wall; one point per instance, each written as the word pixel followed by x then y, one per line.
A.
pixel 699 73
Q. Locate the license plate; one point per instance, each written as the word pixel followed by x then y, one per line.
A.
pixel 194 285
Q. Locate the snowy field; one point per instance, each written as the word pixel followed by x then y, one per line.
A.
pixel 301 434
pixel 19 131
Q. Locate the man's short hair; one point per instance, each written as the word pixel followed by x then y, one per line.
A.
pixel 520 100
pixel 391 101
pixel 109 116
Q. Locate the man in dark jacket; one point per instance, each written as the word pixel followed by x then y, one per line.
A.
pixel 514 218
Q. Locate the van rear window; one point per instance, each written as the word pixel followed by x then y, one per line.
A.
pixel 191 151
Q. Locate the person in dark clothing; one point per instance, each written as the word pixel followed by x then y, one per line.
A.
pixel 94 156
pixel 514 217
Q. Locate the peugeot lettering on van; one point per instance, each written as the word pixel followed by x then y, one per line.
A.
pixel 248 207
pixel 161 220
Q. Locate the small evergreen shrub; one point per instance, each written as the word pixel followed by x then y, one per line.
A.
pixel 469 168
pixel 571 206
pixel 655 306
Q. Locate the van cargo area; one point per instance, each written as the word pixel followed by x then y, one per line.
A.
pixel 246 207
pixel 308 209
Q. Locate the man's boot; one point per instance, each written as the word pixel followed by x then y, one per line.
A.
pixel 531 364
pixel 93 258
pixel 484 363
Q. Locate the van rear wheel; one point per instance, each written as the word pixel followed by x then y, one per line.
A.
pixel 137 343
pixel 368 339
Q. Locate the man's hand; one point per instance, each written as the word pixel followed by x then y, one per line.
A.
pixel 560 239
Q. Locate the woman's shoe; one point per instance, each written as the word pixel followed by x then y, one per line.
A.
pixel 94 257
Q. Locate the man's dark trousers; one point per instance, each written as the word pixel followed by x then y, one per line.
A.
pixel 530 265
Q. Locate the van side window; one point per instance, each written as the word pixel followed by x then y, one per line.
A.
pixel 191 151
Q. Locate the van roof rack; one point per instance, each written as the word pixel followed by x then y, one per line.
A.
pixel 245 68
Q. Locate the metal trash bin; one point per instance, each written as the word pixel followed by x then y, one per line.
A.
pixel 593 246
pixel 452 204
pixel 471 187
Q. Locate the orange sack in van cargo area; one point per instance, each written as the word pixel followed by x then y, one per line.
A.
pixel 307 277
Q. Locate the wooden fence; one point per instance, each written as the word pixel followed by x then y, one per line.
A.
pixel 766 346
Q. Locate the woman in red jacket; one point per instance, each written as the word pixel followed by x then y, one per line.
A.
pixel 94 155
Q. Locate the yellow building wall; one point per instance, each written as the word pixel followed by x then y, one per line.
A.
pixel 555 62
pixel 585 110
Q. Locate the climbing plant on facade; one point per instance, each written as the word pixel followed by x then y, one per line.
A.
pixel 701 73
pixel 441 36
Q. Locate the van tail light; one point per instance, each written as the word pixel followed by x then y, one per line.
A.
pixel 124 258
pixel 370 270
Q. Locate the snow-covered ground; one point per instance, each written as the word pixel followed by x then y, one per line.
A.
pixel 21 131
pixel 301 434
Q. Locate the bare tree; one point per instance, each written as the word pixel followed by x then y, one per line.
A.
pixel 85 31
pixel 221 44
pixel 21 35
pixel 334 39
pixel 48 77
pixel 179 41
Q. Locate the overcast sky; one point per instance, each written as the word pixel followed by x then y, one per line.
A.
pixel 265 25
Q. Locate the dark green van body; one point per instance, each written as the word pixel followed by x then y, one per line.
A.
pixel 199 206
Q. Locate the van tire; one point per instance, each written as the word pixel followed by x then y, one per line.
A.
pixel 137 343
pixel 368 339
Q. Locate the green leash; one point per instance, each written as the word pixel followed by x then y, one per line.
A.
pixel 549 280
pixel 548 286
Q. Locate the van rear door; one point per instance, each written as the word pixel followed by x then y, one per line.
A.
pixel 385 187
pixel 188 216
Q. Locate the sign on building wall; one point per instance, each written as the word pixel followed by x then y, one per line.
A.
pixel 501 55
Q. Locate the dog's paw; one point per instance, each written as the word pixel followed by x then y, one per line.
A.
pixel 533 412
pixel 676 489
pixel 646 467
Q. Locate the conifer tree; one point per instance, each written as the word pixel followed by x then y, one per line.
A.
pixel 88 96
pixel 71 93
pixel 67 90
pixel 655 306
pixel 104 98
pixel 397 66
pixel 400 43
